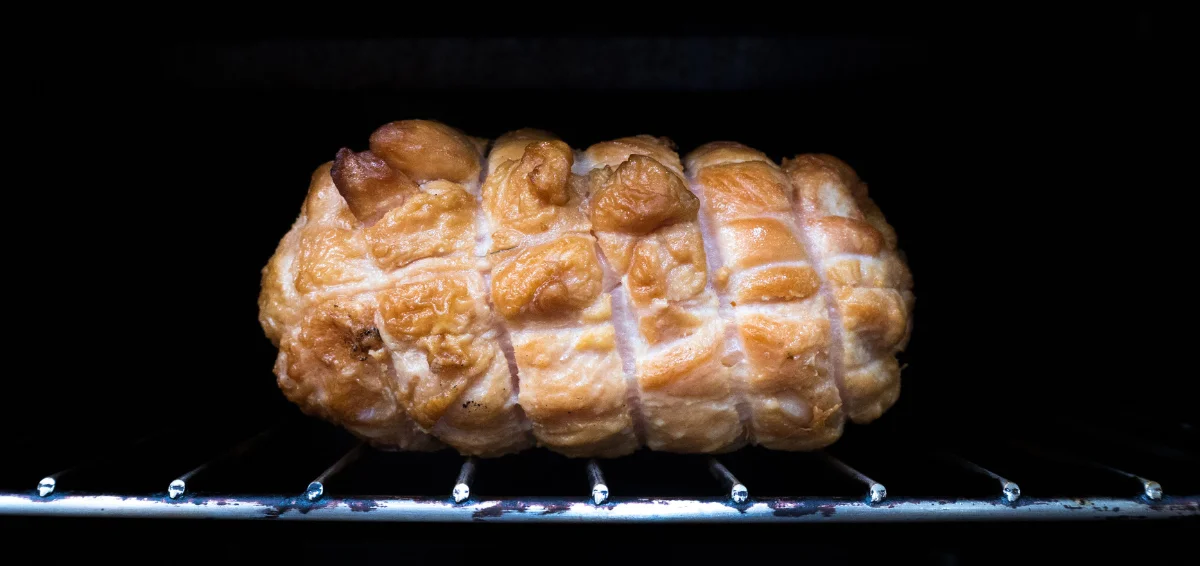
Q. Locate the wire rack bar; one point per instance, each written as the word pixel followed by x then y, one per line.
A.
pixel 583 509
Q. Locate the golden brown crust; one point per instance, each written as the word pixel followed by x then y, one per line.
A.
pixel 453 376
pixel 547 282
pixel 656 271
pixel 683 363
pixel 554 279
pixel 772 292
pixel 511 146
pixel 776 283
pixel 868 281
pixel 331 251
pixel 334 365
pixel 407 296
pixel 436 367
pixel 572 391
pixel 338 337
pixel 687 396
pixel 425 151
pixel 841 235
pixel 645 219
pixel 278 299
pixel 638 197
pixel 723 153
pixel 613 153
pixel 759 241
pixel 435 221
pixel 744 189
pixel 668 324
pixel 370 187
pixel 783 349
pixel 532 195
pixel 796 404
pixel 326 258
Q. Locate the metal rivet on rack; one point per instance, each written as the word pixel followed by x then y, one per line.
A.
pixel 875 490
pixel 599 488
pixel 1150 488
pixel 47 485
pixel 462 486
pixel 737 491
pixel 179 485
pixel 1009 489
pixel 316 488
pixel 1113 498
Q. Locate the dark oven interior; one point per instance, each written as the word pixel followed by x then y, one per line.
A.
pixel 989 143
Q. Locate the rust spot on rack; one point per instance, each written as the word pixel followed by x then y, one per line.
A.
pixel 491 511
pixel 1177 507
pixel 362 505
pixel 517 506
pixel 798 509
pixel 275 508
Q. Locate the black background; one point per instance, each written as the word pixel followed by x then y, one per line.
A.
pixel 1022 159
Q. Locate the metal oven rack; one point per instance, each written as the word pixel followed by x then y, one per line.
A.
pixel 1126 494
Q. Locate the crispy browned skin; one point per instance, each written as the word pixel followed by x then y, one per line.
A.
pixel 646 222
pixel 589 302
pixel 371 188
pixel 772 290
pixel 613 153
pixel 866 279
pixel 318 307
pixel 382 318
pixel 547 281
pixel 425 151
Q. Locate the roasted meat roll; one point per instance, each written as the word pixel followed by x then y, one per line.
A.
pixel 865 280
pixel 440 290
